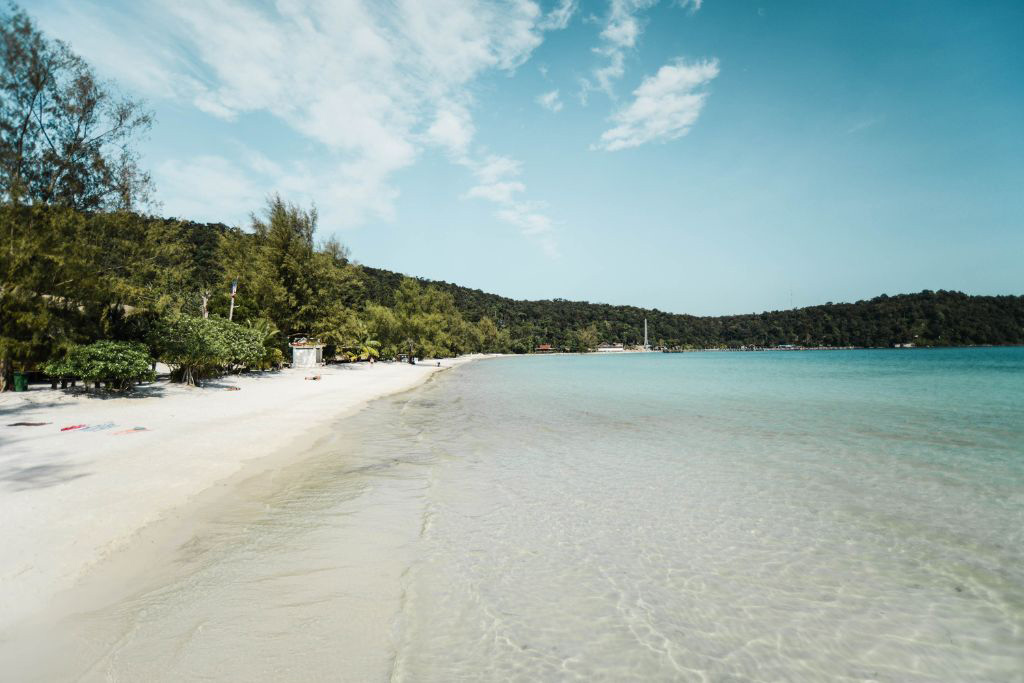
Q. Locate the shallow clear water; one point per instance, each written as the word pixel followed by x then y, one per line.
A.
pixel 708 516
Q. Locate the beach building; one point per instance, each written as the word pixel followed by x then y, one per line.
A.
pixel 608 347
pixel 544 348
pixel 307 353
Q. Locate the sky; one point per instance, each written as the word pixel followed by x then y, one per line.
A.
pixel 701 156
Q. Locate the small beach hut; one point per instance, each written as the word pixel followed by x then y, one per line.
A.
pixel 307 353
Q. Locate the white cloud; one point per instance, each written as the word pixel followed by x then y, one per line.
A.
pixel 369 83
pixel 500 192
pixel 533 224
pixel 497 178
pixel 207 188
pixel 621 30
pixel 665 107
pixel 452 129
pixel 493 168
pixel 559 17
pixel 694 5
pixel 623 27
pixel 550 101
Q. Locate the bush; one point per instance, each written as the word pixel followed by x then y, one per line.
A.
pixel 197 348
pixel 119 364
pixel 271 336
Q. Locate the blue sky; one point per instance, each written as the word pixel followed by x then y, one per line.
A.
pixel 707 157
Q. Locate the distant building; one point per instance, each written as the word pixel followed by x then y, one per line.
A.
pixel 544 348
pixel 307 353
pixel 607 347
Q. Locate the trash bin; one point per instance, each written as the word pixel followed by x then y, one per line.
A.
pixel 20 381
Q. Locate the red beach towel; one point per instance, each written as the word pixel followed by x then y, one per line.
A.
pixel 68 429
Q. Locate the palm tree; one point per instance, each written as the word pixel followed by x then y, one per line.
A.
pixel 271 353
pixel 363 346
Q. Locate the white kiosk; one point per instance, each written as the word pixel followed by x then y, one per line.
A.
pixel 307 353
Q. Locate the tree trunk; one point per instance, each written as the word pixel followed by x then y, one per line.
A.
pixel 206 299
pixel 6 375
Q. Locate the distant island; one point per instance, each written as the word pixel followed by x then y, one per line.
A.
pixel 928 318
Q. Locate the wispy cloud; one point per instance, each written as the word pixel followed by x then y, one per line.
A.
pixel 623 26
pixel 692 5
pixel 621 30
pixel 665 106
pixel 558 18
pixel 370 83
pixel 498 182
pixel 865 123
pixel 550 101
pixel 203 185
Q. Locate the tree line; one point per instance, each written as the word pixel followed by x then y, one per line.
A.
pixel 927 318
pixel 94 288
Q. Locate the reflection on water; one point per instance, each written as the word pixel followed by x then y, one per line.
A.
pixel 709 517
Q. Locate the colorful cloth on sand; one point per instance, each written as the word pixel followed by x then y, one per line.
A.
pixel 68 429
pixel 100 427
pixel 133 430
pixel 27 424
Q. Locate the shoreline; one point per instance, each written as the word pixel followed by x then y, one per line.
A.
pixel 71 499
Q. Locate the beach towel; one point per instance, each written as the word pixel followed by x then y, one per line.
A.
pixel 27 424
pixel 100 427
pixel 68 429
pixel 133 430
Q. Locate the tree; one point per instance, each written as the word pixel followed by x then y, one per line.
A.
pixel 118 364
pixel 272 356
pixel 285 237
pixel 299 286
pixel 362 345
pixel 38 270
pixel 65 137
pixel 197 348
pixel 585 339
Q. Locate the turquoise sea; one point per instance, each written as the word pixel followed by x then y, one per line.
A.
pixel 770 516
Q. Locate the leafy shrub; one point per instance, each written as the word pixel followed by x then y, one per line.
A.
pixel 119 364
pixel 271 336
pixel 197 348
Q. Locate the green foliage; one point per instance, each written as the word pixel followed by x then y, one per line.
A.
pixel 271 337
pixel 362 345
pixel 585 339
pixel 65 135
pixel 295 284
pixel 118 364
pixel 939 318
pixel 197 348
pixel 424 322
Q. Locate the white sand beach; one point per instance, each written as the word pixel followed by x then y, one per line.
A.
pixel 70 498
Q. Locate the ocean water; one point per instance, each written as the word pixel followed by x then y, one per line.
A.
pixel 779 516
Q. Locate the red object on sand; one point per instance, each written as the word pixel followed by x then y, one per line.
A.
pixel 68 429
pixel 133 430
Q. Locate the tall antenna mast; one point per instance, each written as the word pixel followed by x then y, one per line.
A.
pixel 647 347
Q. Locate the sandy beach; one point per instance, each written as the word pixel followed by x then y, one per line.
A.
pixel 70 497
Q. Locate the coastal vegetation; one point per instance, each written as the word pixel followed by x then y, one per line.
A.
pixel 88 274
pixel 116 364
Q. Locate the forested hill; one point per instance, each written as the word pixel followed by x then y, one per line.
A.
pixel 928 318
